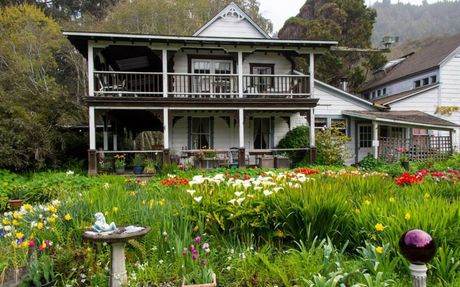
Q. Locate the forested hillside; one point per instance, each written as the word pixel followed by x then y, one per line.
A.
pixel 411 22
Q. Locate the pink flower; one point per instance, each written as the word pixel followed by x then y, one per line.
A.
pixel 203 262
pixel 40 248
pixel 197 240
pixel 192 247
pixel 47 243
pixel 32 243
pixel 194 256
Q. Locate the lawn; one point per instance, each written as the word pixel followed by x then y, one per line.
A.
pixel 317 226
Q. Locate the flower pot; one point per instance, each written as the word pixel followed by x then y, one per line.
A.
pixel 120 170
pixel 15 203
pixel 138 169
pixel 405 165
pixel 212 284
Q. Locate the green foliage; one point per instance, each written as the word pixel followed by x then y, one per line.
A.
pixel 331 147
pixel 298 137
pixel 369 162
pixel 348 22
pixel 40 272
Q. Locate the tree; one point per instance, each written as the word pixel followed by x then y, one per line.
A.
pixel 350 23
pixel 33 102
pixel 177 17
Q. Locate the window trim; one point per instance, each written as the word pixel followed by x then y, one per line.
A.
pixel 329 120
pixel 360 140
pixel 210 132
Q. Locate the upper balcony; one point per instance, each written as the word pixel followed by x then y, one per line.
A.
pixel 191 85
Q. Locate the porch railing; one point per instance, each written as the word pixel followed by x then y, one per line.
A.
pixel 415 149
pixel 185 85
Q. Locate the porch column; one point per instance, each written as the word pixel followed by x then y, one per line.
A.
pixel 165 135
pixel 240 74
pixel 106 133
pixel 115 135
pixel 164 58
pixel 90 70
pixel 92 162
pixel 311 71
pixel 375 139
pixel 241 150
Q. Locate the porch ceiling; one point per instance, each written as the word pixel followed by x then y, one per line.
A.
pixel 407 118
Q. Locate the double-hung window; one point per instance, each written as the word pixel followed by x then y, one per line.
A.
pixel 200 133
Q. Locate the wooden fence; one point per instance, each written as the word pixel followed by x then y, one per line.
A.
pixel 417 148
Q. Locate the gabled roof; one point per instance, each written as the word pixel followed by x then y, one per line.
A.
pixel 232 10
pixel 411 118
pixel 401 96
pixel 426 59
pixel 345 94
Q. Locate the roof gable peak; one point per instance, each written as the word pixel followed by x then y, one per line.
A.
pixel 232 13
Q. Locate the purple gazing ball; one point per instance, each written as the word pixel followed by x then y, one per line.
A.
pixel 417 246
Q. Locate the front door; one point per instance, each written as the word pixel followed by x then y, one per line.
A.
pixel 364 144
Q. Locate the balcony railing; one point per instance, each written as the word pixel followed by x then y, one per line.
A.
pixel 184 85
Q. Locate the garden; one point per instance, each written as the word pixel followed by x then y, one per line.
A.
pixel 309 226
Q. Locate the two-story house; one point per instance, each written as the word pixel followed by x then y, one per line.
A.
pixel 228 86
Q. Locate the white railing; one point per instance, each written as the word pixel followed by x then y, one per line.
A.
pixel 186 85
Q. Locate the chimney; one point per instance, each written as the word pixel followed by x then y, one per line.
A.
pixel 344 84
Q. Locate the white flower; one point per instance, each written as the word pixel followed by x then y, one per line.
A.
pixel 160 261
pixel 198 198
pixel 191 191
pixel 276 189
pixel 239 193
pixel 232 201
pixel 250 196
pixel 242 255
pixel 106 185
pixel 229 268
pixel 267 192
pixel 240 200
pixel 69 172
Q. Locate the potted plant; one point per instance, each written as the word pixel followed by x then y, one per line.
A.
pixel 138 164
pixel 120 163
pixel 151 166
pixel 403 158
pixel 196 269
pixel 16 197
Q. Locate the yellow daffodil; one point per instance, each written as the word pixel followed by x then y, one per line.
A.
pixel 196 228
pixel 392 199
pixel 106 213
pixel 426 195
pixel 52 209
pixel 67 217
pixel 407 216
pixel 161 202
pixel 280 234
pixel 52 219
pixel 367 202
pixel 379 249
pixel 17 215
pixel 40 225
pixel 5 221
pixel 357 211
pixel 143 202
pixel 28 207
pixel 379 227
pixel 114 209
pixel 25 244
pixel 15 222
pixel 151 202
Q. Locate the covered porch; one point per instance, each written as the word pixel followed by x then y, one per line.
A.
pixel 397 135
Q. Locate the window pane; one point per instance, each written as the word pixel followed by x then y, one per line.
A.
pixel 365 136
pixel 320 123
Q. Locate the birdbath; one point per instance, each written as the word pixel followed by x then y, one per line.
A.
pixel 117 239
pixel 419 248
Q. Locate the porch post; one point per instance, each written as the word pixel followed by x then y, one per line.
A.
pixel 311 71
pixel 240 74
pixel 115 135
pixel 105 133
pixel 241 151
pixel 164 58
pixel 375 139
pixel 90 70
pixel 165 135
pixel 92 162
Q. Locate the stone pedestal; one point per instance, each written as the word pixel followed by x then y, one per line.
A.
pixel 118 275
pixel 418 272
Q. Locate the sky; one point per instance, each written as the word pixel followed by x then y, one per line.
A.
pixel 279 11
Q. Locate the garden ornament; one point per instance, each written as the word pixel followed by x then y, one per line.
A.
pixel 419 248
pixel 101 226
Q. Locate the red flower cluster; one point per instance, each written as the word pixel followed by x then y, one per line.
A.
pixel 307 171
pixel 408 179
pixel 174 182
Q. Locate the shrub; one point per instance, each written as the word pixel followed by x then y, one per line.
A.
pixel 298 137
pixel 330 145
pixel 371 163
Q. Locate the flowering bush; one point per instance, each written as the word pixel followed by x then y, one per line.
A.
pixel 195 268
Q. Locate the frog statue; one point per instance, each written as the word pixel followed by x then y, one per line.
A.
pixel 101 226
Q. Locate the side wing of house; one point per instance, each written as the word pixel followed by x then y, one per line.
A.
pixel 328 113
pixel 450 84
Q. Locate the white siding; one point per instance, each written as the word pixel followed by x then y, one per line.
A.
pixel 450 86
pixel 282 65
pixel 424 102
pixel 406 84
pixel 333 103
pixel 231 27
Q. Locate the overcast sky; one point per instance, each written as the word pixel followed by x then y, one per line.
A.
pixel 279 11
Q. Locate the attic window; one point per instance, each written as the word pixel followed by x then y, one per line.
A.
pixel 426 81
pixel 433 79
pixel 384 91
pixel 418 83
